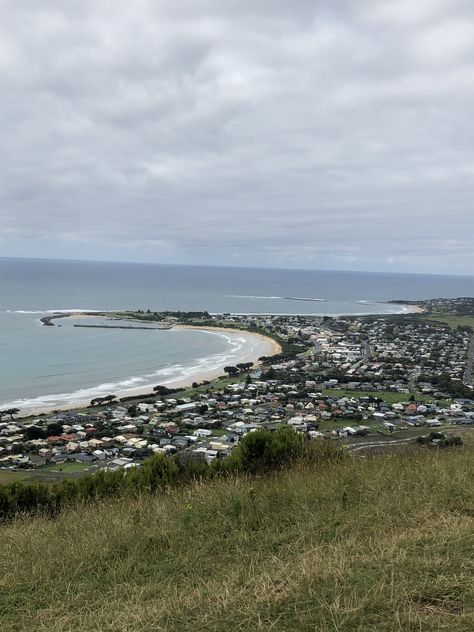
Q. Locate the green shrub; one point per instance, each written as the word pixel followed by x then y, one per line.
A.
pixel 263 450
pixel 257 452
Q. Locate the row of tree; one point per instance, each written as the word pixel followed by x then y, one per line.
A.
pixel 240 367
pixel 97 401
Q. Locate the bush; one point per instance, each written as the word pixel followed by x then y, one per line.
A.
pixel 263 450
pixel 156 473
pixel 258 452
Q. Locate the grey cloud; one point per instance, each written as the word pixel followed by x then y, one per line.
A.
pixel 333 134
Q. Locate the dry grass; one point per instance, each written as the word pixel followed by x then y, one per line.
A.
pixel 368 544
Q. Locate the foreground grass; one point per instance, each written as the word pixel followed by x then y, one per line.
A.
pixel 9 476
pixel 363 544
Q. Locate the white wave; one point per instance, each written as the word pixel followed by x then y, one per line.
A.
pixel 164 375
pixel 407 309
pixel 303 298
pixel 24 311
pixel 252 296
pixel 57 311
pixel 281 298
pixel 76 310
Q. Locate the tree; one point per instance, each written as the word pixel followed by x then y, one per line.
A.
pixel 231 370
pixel 54 429
pixel 270 374
pixel 34 432
pixel 9 411
pixel 245 366
pixel 162 390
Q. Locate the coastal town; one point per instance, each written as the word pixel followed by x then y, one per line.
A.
pixel 368 383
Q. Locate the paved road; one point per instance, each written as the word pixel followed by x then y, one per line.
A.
pixel 412 379
pixel 355 447
pixel 469 364
pixel 366 350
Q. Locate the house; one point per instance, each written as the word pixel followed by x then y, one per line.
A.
pixel 431 423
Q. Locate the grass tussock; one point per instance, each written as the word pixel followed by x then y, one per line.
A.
pixel 359 544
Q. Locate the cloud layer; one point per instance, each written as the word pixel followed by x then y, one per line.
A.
pixel 331 134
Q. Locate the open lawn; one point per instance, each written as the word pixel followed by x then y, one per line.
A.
pixel 219 432
pixel 49 473
pixel 453 320
pixel 66 468
pixel 365 544
pixel 389 396
pixel 215 385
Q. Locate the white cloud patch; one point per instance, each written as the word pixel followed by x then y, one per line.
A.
pixel 330 133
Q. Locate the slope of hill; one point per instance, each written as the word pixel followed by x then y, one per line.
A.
pixel 361 544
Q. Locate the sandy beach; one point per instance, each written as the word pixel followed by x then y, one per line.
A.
pixel 411 309
pixel 256 346
pixel 253 347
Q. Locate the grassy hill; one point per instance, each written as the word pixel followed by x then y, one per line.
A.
pixel 368 544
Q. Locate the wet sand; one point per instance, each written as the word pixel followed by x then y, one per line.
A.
pixel 255 346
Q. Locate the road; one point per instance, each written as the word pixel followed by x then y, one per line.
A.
pixel 366 350
pixel 412 379
pixel 469 363
pixel 355 447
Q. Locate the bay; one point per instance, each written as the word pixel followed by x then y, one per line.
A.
pixel 54 364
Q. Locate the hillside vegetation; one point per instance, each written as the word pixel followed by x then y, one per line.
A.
pixel 368 544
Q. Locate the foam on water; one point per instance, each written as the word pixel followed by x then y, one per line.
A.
pixel 273 298
pixel 37 361
pixel 167 375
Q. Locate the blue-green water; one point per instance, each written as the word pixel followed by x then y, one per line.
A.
pixel 48 366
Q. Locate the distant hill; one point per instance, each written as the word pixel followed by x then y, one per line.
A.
pixel 372 544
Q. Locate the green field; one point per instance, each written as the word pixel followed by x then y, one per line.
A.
pixel 388 396
pixel 45 474
pixel 453 320
pixel 67 468
pixel 215 385
pixel 373 545
pixel 219 432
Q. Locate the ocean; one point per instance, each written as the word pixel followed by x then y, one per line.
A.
pixel 49 366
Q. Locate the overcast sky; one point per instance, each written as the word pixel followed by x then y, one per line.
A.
pixel 304 133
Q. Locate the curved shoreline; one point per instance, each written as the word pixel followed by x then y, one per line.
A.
pixel 254 346
pixel 261 346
